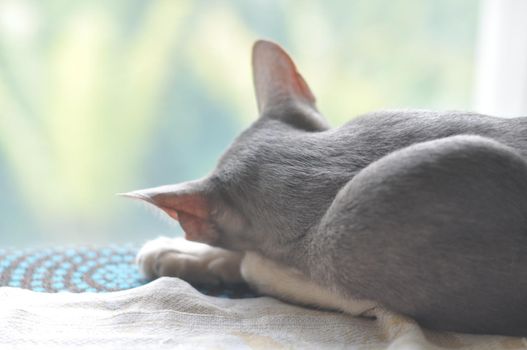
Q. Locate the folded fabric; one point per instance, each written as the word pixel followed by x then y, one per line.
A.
pixel 170 314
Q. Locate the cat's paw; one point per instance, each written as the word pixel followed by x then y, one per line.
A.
pixel 149 259
pixel 191 261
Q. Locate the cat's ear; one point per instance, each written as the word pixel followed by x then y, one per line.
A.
pixel 190 203
pixel 281 89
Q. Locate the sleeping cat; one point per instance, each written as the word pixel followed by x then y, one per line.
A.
pixel 423 213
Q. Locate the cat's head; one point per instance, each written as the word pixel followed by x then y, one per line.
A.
pixel 235 206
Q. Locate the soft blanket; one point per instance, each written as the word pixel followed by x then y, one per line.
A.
pixel 170 314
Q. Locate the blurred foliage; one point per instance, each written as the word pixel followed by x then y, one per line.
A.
pixel 99 97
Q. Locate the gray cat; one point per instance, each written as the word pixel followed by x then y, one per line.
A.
pixel 423 213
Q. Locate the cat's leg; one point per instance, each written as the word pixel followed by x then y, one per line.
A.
pixel 191 261
pixel 273 279
pixel 201 263
pixel 435 231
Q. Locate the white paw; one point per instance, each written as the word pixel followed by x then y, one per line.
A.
pixel 191 261
pixel 147 259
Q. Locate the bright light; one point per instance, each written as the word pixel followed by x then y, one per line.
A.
pixel 17 19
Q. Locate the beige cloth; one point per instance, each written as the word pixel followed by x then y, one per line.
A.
pixel 170 314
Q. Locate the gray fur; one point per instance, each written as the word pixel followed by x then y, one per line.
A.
pixel 394 207
pixel 423 212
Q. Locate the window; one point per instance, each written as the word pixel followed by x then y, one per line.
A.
pixel 502 59
pixel 100 97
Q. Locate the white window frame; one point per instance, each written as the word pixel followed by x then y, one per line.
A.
pixel 501 59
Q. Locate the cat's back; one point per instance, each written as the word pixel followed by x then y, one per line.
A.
pixel 388 130
pixel 436 231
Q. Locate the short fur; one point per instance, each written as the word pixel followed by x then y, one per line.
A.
pixel 423 212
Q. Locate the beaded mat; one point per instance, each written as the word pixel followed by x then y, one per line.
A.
pixel 84 269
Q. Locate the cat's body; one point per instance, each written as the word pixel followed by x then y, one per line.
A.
pixel 316 165
pixel 424 213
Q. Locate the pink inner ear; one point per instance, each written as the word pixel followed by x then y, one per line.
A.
pixel 304 88
pixel 197 229
pixel 174 203
pixel 193 204
pixel 190 208
pixel 275 76
pixel 171 212
pixel 192 212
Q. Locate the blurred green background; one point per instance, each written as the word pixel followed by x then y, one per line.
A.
pixel 100 97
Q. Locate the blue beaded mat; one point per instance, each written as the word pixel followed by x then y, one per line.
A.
pixel 84 269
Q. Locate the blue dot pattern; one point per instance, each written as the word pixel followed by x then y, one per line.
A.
pixel 84 269
pixel 80 269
